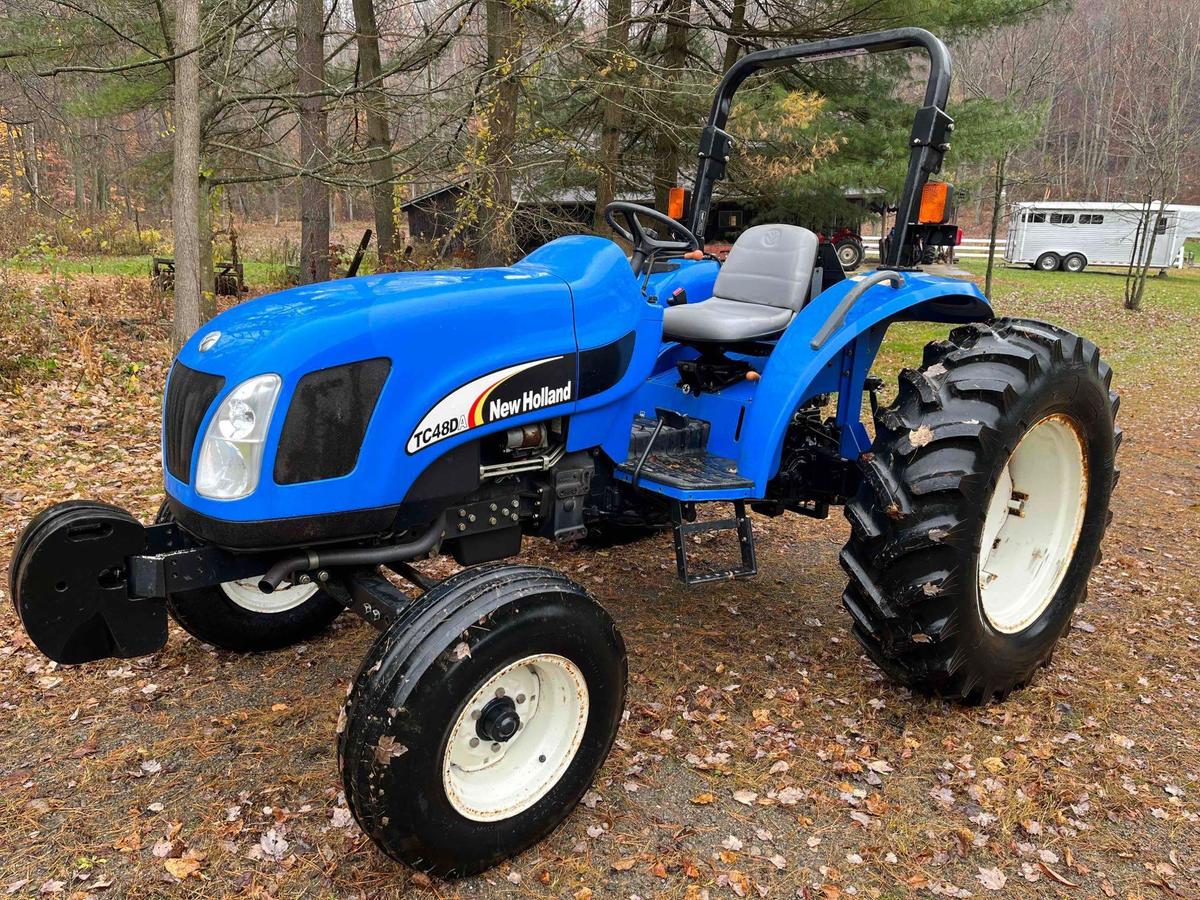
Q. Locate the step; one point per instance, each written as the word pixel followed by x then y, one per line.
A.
pixel 679 459
pixel 684 524
pixel 689 471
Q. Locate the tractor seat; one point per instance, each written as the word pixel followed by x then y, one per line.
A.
pixel 760 288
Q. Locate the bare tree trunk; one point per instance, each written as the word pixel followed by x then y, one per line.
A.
pixel 13 176
pixel 997 201
pixel 314 193
pixel 497 242
pixel 737 24
pixel 666 167
pixel 185 205
pixel 204 229
pixel 379 142
pixel 1143 253
pixel 616 38
pixel 30 160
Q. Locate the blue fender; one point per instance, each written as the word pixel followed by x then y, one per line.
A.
pixel 795 371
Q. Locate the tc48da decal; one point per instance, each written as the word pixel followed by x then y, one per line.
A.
pixel 509 392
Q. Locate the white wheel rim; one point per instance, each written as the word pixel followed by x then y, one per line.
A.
pixel 246 594
pixel 848 255
pixel 487 781
pixel 1032 524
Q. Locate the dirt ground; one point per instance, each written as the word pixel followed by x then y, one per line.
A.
pixel 763 754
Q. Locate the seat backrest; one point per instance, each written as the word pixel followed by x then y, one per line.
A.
pixel 770 265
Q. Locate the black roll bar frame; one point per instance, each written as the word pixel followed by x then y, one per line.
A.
pixel 927 144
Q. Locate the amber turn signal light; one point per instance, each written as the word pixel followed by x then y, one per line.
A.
pixel 675 203
pixel 937 204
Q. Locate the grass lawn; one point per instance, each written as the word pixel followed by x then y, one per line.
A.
pixel 257 273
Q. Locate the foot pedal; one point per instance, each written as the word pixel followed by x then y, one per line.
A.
pixel 740 523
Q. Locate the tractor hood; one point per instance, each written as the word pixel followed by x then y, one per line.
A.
pixel 376 377
pixel 358 318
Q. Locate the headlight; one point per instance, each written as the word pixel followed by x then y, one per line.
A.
pixel 231 456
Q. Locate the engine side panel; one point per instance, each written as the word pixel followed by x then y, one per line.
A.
pixel 498 334
pixel 472 353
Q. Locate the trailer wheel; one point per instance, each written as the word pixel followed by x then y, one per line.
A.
pixel 480 718
pixel 850 254
pixel 983 504
pixel 238 616
pixel 1048 262
pixel 1074 262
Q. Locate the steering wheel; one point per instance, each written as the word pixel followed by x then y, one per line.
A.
pixel 644 244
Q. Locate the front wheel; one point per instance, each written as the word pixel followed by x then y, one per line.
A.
pixel 1048 262
pixel 238 616
pixel 481 717
pixel 984 501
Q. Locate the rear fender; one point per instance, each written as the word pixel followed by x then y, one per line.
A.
pixel 796 371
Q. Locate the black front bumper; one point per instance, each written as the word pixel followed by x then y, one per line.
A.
pixel 277 534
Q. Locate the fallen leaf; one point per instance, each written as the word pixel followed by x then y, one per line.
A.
pixel 1059 878
pixel 273 844
pixel 992 879
pixel 919 437
pixel 703 799
pixel 388 749
pixel 183 867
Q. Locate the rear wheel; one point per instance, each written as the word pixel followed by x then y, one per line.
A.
pixel 984 501
pixel 850 254
pixel 1048 262
pixel 1074 262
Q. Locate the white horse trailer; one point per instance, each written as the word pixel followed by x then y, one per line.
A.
pixel 1071 236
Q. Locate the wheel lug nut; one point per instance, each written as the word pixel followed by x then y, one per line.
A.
pixel 495 748
pixel 474 714
pixel 474 742
pixel 520 698
pixel 499 692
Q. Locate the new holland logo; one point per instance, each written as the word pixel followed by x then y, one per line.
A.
pixel 509 392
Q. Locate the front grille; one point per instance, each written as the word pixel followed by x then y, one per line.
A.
pixel 189 395
pixel 327 420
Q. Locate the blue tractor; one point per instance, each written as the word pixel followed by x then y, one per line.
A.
pixel 313 437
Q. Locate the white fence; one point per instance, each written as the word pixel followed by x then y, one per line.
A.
pixel 970 248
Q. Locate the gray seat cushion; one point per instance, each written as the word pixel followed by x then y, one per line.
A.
pixel 720 320
pixel 761 286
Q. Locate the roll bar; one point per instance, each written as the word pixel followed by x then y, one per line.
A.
pixel 928 142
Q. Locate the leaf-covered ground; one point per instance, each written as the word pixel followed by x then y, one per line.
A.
pixel 762 756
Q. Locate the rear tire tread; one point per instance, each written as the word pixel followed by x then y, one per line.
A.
pixel 908 539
